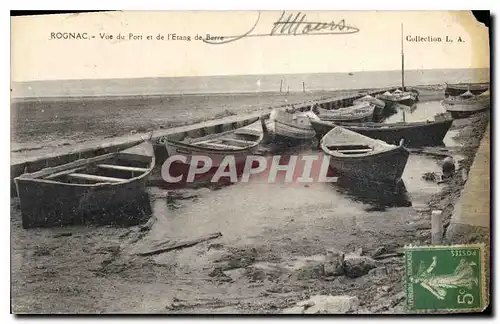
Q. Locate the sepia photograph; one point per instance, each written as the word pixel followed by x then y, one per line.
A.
pixel 287 162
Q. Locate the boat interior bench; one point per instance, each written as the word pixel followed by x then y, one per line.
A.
pixel 351 148
pixel 228 142
pixel 104 172
pixel 95 177
pixel 65 172
pixel 121 168
pixel 224 146
pixel 355 151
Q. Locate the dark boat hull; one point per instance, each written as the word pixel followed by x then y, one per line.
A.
pixel 459 89
pixel 322 127
pixel 419 134
pixel 422 134
pixel 384 167
pixel 407 102
pixel 287 141
pixel 54 204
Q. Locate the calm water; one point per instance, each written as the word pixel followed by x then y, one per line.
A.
pixel 243 83
pixel 345 209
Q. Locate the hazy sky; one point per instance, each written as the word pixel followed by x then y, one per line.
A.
pixel 376 46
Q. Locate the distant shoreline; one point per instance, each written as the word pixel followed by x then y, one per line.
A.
pixel 282 75
pixel 174 95
pixel 278 85
pixel 194 94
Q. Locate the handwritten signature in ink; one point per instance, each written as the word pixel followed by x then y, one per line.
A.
pixel 293 25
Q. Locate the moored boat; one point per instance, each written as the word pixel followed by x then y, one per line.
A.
pixel 407 98
pixel 362 157
pixel 415 134
pixel 68 193
pixel 376 102
pixel 467 103
pixel 288 128
pixel 460 88
pixel 357 113
pixel 238 143
pixel 401 96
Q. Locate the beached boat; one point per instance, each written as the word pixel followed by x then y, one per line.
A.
pixel 67 193
pixel 460 88
pixel 415 134
pixel 357 113
pixel 359 156
pixel 467 103
pixel 287 127
pixel 238 143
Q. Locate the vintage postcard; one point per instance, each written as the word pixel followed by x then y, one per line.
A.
pixel 250 162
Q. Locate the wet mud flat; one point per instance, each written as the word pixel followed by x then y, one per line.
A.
pixel 270 257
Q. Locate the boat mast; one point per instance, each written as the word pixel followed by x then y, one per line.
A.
pixel 402 62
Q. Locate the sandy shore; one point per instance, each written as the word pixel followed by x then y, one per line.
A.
pixel 261 264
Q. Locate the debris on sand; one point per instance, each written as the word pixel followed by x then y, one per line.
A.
pixel 238 258
pixel 64 234
pixel 379 251
pixel 448 165
pixel 312 270
pixel 179 245
pixel 391 305
pixel 334 263
pixel 358 265
pixel 430 176
pixel 323 304
pixel 178 304
pixel 41 251
pixel 219 275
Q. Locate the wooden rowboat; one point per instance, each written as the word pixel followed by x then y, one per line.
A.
pixel 460 88
pixel 415 134
pixel 357 113
pixel 238 143
pixel 288 128
pixel 467 103
pixel 361 157
pixel 68 193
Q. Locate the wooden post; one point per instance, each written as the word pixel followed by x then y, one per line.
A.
pixel 334 263
pixel 303 86
pixel 281 85
pixel 436 226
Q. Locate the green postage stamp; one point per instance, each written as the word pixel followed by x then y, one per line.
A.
pixel 447 278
